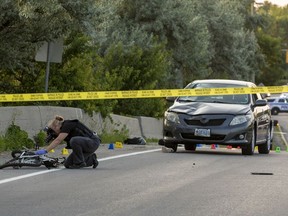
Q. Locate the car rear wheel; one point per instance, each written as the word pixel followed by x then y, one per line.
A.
pixel 249 149
pixel 275 111
pixel 265 148
pixel 190 147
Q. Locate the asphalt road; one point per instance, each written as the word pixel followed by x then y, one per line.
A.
pixel 282 119
pixel 145 181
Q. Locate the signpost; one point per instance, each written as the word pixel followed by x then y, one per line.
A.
pixel 50 51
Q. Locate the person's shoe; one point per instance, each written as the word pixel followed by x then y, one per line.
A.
pixel 77 166
pixel 95 162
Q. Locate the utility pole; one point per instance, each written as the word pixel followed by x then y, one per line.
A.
pixel 47 67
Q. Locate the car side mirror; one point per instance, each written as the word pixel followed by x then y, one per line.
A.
pixel 261 102
pixel 171 99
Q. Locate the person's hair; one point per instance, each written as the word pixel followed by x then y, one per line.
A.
pixel 58 120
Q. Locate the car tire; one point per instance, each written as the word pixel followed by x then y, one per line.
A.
pixel 190 147
pixel 275 111
pixel 172 146
pixel 265 148
pixel 249 149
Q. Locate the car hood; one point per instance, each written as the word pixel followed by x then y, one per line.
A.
pixel 200 108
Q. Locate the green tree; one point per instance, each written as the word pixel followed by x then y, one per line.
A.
pixel 136 44
pixel 234 47
pixel 173 21
pixel 272 39
pixel 79 72
pixel 137 69
pixel 119 69
pixel 271 73
pixel 25 25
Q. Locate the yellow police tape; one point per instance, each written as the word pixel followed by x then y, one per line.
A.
pixel 96 95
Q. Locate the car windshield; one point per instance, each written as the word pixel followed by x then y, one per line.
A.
pixel 229 99
pixel 270 100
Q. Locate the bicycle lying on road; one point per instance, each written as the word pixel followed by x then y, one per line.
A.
pixel 28 158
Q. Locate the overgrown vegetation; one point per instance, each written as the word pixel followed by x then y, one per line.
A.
pixel 117 135
pixel 40 138
pixel 2 144
pixel 16 139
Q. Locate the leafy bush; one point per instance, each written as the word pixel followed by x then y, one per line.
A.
pixel 40 138
pixel 2 144
pixel 15 138
pixel 115 136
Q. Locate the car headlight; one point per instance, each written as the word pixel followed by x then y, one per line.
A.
pixel 239 120
pixel 171 117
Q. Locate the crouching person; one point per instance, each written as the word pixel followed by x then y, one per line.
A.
pixel 79 138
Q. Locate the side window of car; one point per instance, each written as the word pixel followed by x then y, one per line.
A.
pixel 254 98
pixel 281 100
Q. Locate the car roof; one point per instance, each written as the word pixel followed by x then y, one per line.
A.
pixel 226 81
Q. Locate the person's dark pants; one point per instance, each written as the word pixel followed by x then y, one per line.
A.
pixel 83 148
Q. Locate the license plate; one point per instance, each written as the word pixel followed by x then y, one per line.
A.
pixel 202 132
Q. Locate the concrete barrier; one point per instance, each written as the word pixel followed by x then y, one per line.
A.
pixel 120 122
pixel 151 127
pixel 32 119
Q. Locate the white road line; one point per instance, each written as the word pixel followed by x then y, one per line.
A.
pixel 283 137
pixel 27 176
pixel 129 154
pixel 53 170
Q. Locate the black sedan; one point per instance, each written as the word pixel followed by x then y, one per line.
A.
pixel 240 120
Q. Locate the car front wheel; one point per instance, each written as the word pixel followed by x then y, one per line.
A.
pixel 265 148
pixel 249 149
pixel 172 146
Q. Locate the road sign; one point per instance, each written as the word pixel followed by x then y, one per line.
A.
pixel 53 50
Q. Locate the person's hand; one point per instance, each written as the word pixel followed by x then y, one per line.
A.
pixel 41 152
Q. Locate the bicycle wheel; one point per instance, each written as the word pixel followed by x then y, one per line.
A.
pixel 11 163
pixel 19 162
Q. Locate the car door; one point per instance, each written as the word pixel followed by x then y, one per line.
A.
pixel 283 105
pixel 262 119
